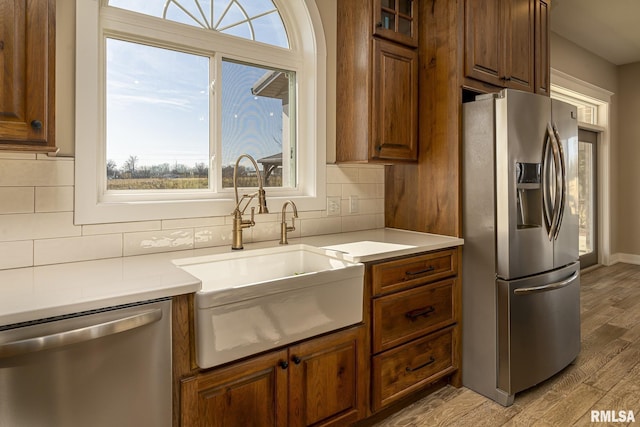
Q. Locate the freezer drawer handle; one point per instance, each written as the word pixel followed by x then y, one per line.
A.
pixel 549 287
pixel 61 339
pixel 418 272
pixel 414 314
pixel 424 365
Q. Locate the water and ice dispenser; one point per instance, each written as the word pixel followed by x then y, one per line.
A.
pixel 529 197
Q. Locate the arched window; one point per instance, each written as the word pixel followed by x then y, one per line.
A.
pixel 171 92
pixel 257 20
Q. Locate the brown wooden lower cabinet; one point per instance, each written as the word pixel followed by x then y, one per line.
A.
pixel 414 325
pixel 319 382
pixel 405 369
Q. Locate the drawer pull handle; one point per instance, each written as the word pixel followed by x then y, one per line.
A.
pixel 421 271
pixel 429 362
pixel 414 314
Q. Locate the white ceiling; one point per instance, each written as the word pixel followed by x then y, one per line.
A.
pixel 608 28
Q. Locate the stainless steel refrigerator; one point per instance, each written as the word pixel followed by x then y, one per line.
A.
pixel 521 274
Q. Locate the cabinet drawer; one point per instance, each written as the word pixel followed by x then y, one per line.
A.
pixel 405 369
pixel 408 272
pixel 409 314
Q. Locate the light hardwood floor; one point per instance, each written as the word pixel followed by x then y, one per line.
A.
pixel 606 375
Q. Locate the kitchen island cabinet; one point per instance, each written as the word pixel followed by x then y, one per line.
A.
pixel 318 382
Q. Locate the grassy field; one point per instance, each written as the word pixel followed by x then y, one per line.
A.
pixel 182 183
pixel 157 184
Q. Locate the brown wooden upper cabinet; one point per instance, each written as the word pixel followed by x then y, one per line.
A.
pixel 543 64
pixel 27 81
pixel 396 20
pixel 377 81
pixel 499 42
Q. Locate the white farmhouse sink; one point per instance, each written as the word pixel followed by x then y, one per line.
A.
pixel 260 299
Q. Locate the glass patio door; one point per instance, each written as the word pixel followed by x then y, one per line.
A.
pixel 587 197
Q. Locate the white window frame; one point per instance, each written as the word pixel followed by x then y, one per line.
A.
pixel 306 37
pixel 569 87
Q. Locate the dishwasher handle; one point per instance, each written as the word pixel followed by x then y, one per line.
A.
pixel 61 339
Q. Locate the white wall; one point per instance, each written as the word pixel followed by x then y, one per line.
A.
pixel 628 164
pixel 624 191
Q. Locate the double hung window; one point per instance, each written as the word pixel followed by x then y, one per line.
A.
pixel 171 92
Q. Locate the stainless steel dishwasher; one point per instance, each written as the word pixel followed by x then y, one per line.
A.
pixel 109 367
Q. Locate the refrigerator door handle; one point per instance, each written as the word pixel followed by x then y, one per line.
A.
pixel 549 287
pixel 551 208
pixel 546 196
pixel 563 180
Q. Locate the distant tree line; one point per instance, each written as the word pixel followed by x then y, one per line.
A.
pixel 131 169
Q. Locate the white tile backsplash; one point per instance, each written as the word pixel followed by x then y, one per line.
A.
pixel 16 200
pixel 37 226
pixel 206 237
pixel 157 241
pixel 36 216
pixel 16 254
pixel 54 199
pixel 358 222
pixel 317 226
pixel 69 249
pixel 121 227
pixel 45 173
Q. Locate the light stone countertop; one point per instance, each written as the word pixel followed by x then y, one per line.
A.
pixel 34 293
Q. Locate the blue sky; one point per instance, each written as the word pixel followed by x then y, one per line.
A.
pixel 158 105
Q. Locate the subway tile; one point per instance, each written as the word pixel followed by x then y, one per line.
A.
pixel 71 249
pixel 317 226
pixel 168 224
pixel 311 214
pixel 363 191
pixel 120 227
pixel 270 231
pixel 334 190
pixel 365 207
pixel 272 216
pixel 342 174
pixel 15 200
pixel 54 199
pixel 17 156
pixel 157 241
pixel 37 226
pixel 371 174
pixel 219 235
pixel 358 222
pixel 16 254
pixel 20 173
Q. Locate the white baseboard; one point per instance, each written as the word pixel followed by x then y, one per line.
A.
pixel 626 258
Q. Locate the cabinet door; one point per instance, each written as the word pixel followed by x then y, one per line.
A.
pixel 483 41
pixel 519 47
pixel 396 20
pixel 27 44
pixel 250 393
pixel 326 380
pixel 543 81
pixel 395 102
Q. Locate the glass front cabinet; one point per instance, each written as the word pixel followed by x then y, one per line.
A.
pixel 396 20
